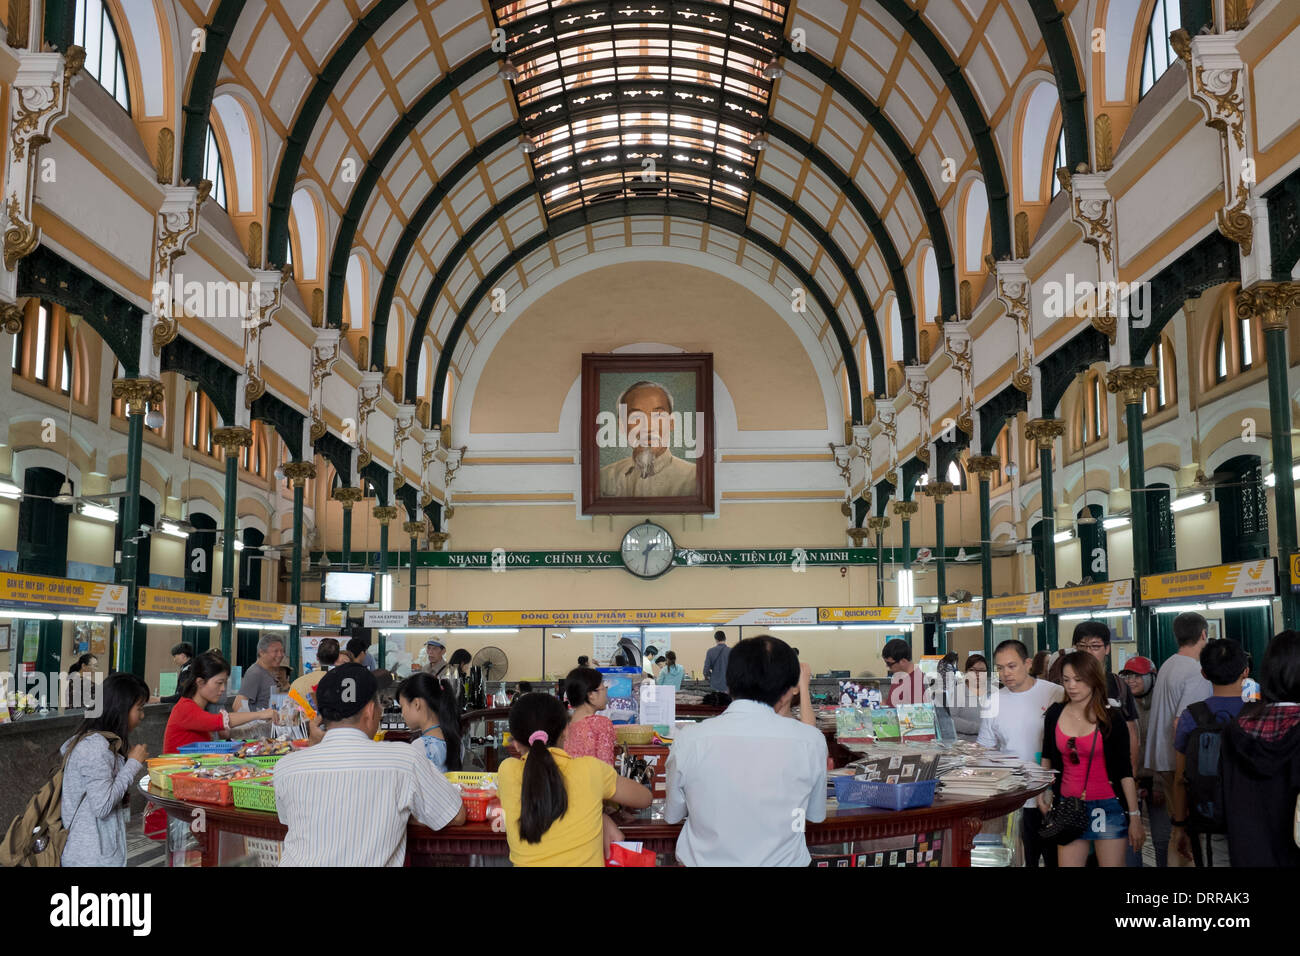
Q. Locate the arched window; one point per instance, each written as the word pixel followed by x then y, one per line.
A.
pixel 1058 160
pixel 1091 418
pixel 1003 451
pixel 446 398
pixel 1165 392
pixel 1158 55
pixel 95 33
pixel 304 230
pixel 1247 329
pixel 200 422
pixel 1221 357
pixel 956 477
pixel 253 458
pixel 355 296
pixel 213 171
pixel 43 350
pixel 1237 343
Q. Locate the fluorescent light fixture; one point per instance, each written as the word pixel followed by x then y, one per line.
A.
pixel 906 588
pixel 1190 501
pixel 386 593
pixel 259 626
pixel 1270 480
pixel 1225 605
pixel 164 621
pixel 195 622
pixel 1178 608
pixel 173 529
pixel 239 545
pixel 1061 537
pixel 1017 620
pixel 1112 524
pixel 875 627
pixel 99 512
pixel 1092 616
pixel 678 630
pixel 412 630
pixel 953 625
pixel 484 630
pixel 27 615
pixel 805 627
pixel 599 630
pixel 101 618
pixel 9 490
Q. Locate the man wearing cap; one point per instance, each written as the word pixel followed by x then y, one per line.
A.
pixel 351 776
pixel 1139 673
pixel 436 667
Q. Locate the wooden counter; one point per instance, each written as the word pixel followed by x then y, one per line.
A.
pixel 959 819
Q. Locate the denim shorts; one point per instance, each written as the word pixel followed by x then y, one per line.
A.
pixel 1106 820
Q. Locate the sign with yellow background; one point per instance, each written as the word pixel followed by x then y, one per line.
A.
pixel 684 617
pixel 967 611
pixel 869 615
pixel 323 617
pixel 1016 605
pixel 1094 597
pixel 1295 571
pixel 1246 579
pixel 265 612
pixel 38 592
pixel 159 601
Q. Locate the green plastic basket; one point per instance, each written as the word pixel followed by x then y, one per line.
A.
pixel 265 761
pixel 252 795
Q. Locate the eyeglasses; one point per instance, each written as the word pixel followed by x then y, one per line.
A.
pixel 889 663
pixel 1092 646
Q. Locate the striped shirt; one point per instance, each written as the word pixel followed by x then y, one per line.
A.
pixel 347 800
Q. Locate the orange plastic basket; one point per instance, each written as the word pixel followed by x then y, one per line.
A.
pixel 186 786
pixel 476 804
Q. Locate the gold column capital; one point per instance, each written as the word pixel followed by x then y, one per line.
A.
pixel 346 497
pixel 1269 302
pixel 438 539
pixel 413 528
pixel 906 509
pixel 299 471
pixel 231 438
pixel 384 513
pixel 938 490
pixel 138 393
pixel 858 534
pixel 1044 431
pixel 985 466
pixel 1132 381
pixel 878 524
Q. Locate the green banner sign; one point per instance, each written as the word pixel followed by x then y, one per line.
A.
pixel 685 557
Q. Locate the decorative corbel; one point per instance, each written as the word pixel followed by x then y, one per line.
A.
pixel 368 392
pixel 38 100
pixel 403 422
pixel 887 419
pixel 1012 290
pixel 263 302
pixel 175 224
pixel 918 387
pixel 960 351
pixel 324 355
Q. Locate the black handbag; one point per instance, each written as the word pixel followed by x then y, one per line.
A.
pixel 1067 820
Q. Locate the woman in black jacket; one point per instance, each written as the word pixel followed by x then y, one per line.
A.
pixel 1089 743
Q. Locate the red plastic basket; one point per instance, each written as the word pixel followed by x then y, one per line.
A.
pixel 186 786
pixel 476 803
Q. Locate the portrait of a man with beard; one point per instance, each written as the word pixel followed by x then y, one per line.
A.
pixel 646 421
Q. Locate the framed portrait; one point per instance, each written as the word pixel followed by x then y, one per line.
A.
pixel 647 433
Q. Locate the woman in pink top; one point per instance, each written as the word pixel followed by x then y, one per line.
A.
pixel 588 734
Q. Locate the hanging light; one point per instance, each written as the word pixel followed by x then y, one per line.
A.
pixel 773 71
pixel 153 418
pixel 65 495
pixel 758 143
pixel 508 71
pixel 527 146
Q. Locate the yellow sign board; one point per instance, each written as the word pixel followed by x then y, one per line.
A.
pixel 265 612
pixel 1295 571
pixel 683 617
pixel 1016 605
pixel 1245 579
pixel 158 601
pixel 323 617
pixel 966 611
pixel 869 615
pixel 1106 596
pixel 39 592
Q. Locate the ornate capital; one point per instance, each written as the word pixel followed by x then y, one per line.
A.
pixel 11 317
pixel 299 471
pixel 1044 431
pixel 413 528
pixel 858 535
pixel 1131 381
pixel 1269 302
pixel 384 513
pixel 938 490
pixel 138 393
pixel 346 497
pixel 878 524
pixel 233 438
pixel 438 539
pixel 906 509
pixel 985 466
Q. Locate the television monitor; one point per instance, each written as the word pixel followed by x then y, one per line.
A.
pixel 349 587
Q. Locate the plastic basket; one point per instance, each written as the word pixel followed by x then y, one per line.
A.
pixel 477 803
pixel 161 777
pixel 269 761
pixel 169 760
pixel 253 794
pixel 635 735
pixel 188 787
pixel 463 778
pixel 211 747
pixel 888 796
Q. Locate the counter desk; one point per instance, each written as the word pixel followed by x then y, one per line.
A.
pixel 940 835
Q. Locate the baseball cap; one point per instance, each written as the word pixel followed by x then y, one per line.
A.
pixel 344 691
pixel 434 640
pixel 1138 665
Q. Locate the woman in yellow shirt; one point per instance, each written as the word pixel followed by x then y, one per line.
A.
pixel 553 802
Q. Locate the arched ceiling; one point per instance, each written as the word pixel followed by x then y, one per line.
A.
pixel 407 116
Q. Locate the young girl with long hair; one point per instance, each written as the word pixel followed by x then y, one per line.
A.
pixel 553 803
pixel 1089 742
pixel 429 708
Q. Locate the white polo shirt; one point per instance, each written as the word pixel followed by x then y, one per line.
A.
pixel 745 782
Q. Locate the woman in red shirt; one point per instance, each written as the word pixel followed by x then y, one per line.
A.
pixel 588 734
pixel 190 722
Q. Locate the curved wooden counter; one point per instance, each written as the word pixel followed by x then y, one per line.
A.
pixel 961 818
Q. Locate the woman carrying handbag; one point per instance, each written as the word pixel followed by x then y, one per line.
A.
pixel 1094 799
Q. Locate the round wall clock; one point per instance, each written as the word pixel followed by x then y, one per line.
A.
pixel 648 550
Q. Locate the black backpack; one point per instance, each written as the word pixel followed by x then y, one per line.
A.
pixel 1203 771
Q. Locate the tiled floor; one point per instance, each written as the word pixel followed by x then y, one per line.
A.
pixel 140 850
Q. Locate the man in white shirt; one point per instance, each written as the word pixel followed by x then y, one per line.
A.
pixel 1012 721
pixel 748 780
pixel 351 776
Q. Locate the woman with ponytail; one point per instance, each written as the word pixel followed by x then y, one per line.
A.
pixel 190 721
pixel 429 708
pixel 553 802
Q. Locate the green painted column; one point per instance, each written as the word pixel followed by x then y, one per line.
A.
pixel 1131 382
pixel 905 509
pixel 1271 302
pixel 939 490
pixel 347 497
pixel 414 529
pixel 298 473
pixel 985 467
pixel 1044 432
pixel 878 525
pixel 383 514
pixel 138 394
pixel 230 439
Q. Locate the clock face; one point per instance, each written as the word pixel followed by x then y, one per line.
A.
pixel 647 550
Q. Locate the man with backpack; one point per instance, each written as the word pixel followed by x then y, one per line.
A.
pixel 1198 804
